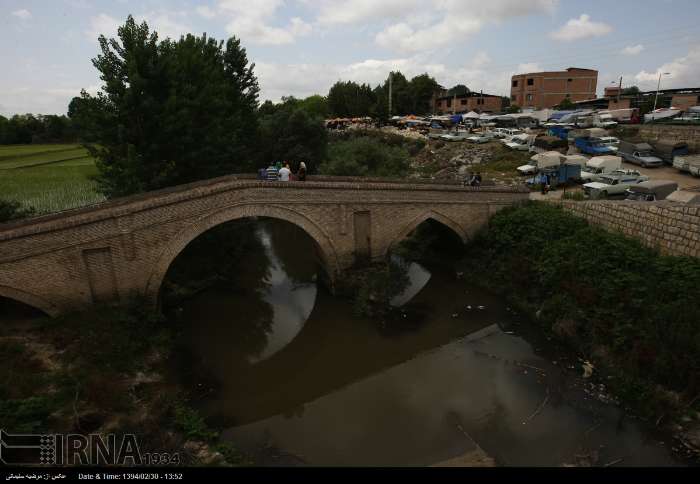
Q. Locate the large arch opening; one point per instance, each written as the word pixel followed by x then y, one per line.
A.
pixel 239 293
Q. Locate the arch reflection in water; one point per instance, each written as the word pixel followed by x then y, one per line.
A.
pixel 263 293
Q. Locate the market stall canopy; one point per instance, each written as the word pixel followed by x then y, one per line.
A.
pixel 471 115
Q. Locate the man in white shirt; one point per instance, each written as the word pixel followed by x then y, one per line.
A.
pixel 285 172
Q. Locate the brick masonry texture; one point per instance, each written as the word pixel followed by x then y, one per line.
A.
pixel 653 133
pixel 673 229
pixel 124 247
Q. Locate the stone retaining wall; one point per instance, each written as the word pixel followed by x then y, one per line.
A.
pixel 674 229
pixel 658 132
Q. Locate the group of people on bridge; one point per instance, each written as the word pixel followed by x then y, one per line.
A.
pixel 282 172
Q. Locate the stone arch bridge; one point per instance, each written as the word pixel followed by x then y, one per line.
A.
pixel 123 248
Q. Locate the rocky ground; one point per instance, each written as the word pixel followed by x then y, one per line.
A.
pixel 441 160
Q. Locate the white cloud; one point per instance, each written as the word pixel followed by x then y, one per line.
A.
pixel 301 80
pixel 581 28
pixel 253 22
pixel 206 11
pixel 102 24
pixel 633 49
pixel 529 67
pixel 167 24
pixel 684 72
pixel 449 21
pixel 22 13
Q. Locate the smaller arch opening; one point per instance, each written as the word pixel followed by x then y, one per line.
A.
pixel 15 311
pixel 430 243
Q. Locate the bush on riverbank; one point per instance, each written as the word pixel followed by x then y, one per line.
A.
pixel 623 305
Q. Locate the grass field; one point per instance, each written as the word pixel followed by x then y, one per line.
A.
pixel 48 178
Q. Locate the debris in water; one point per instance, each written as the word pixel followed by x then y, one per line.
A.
pixel 455 315
pixel 481 307
pixel 469 308
pixel 587 369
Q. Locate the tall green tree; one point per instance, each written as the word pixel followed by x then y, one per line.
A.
pixel 171 112
pixel 292 131
pixel 423 89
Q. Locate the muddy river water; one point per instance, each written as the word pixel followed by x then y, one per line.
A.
pixel 293 376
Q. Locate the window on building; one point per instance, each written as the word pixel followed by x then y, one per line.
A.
pixel 569 80
pixel 568 95
pixel 439 104
pixel 529 97
pixel 463 102
pixel 480 101
pixel 449 103
pixel 513 98
pixel 515 83
pixel 530 82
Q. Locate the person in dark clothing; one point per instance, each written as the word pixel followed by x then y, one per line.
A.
pixel 262 174
pixel 301 174
pixel 477 179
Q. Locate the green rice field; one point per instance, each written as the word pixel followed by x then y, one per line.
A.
pixel 48 178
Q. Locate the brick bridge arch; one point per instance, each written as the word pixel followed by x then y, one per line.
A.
pixel 180 242
pixel 123 248
pixel 448 222
pixel 29 299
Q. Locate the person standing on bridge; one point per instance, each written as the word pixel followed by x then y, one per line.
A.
pixel 285 172
pixel 301 174
pixel 271 173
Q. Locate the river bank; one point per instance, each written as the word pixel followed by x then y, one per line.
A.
pixel 622 314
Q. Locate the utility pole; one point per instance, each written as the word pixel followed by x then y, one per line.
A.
pixel 658 88
pixel 619 92
pixel 390 95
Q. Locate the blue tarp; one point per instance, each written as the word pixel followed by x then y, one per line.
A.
pixel 456 118
pixel 557 115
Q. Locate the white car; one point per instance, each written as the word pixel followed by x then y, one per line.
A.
pixel 519 143
pixel 612 142
pixel 610 185
pixel 483 137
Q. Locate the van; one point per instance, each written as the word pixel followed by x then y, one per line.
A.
pixel 668 150
pixel 639 153
pixel 600 165
pixel 651 191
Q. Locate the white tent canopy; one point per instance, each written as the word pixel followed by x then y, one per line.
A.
pixel 471 115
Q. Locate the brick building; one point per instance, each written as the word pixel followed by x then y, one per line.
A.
pixel 542 90
pixel 464 103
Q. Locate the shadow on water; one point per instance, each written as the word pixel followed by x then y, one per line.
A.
pixel 286 364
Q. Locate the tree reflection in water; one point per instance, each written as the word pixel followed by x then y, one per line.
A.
pixel 244 290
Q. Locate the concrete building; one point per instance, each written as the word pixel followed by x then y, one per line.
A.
pixel 542 90
pixel 464 103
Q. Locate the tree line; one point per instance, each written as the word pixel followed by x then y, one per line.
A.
pixel 36 128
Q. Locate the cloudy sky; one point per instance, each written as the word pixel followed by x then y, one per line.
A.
pixel 300 47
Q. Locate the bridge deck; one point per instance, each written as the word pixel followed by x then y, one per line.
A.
pixel 178 193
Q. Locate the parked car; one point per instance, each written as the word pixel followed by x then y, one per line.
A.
pixel 483 137
pixel 611 141
pixel 543 144
pixel 520 142
pixel 651 191
pixel 455 136
pixel 611 185
pixel 508 133
pixel 593 146
pixel 541 161
pixel 683 163
pixel 668 151
pixel 599 166
pixel 639 153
